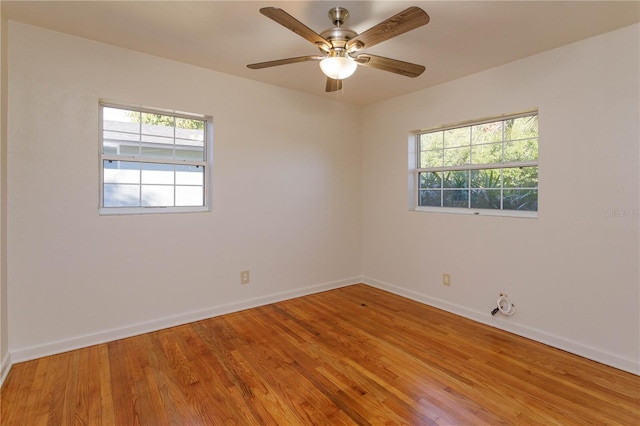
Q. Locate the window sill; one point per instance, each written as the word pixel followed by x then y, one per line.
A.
pixel 123 211
pixel 479 212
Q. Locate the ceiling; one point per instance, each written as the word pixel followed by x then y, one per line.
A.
pixel 462 38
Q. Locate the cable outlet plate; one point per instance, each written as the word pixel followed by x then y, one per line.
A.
pixel 446 280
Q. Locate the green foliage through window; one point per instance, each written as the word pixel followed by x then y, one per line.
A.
pixel 486 165
pixel 165 120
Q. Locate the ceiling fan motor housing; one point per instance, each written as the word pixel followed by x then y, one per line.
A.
pixel 338 36
pixel 338 15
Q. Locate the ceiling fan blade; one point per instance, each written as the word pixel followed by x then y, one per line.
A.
pixel 286 61
pixel 288 21
pixel 333 85
pixel 404 21
pixel 392 65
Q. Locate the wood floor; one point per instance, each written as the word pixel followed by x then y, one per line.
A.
pixel 355 355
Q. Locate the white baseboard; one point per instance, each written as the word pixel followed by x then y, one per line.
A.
pixel 5 366
pixel 625 364
pixel 52 348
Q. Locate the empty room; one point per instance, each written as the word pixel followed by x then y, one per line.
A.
pixel 319 213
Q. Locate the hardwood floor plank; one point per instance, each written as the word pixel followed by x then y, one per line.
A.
pixel 38 395
pixel 351 356
pixel 59 390
pixel 105 396
pixel 124 399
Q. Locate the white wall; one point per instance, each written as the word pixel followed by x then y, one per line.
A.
pixel 573 273
pixel 285 205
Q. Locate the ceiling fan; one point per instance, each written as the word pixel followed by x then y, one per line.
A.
pixel 340 46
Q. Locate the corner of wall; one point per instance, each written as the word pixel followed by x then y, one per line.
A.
pixel 5 366
pixel 5 359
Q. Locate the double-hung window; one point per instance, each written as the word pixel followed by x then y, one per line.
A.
pixel 484 167
pixel 153 160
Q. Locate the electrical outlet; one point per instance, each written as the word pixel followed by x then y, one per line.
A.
pixel 244 277
pixel 446 279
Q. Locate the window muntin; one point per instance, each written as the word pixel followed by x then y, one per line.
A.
pixel 486 166
pixel 153 160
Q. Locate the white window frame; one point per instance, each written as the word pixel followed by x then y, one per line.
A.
pixel 206 163
pixel 415 170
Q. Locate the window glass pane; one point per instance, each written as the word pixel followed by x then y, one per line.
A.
pixel 456 179
pixel 118 137
pixel 457 137
pixel 522 150
pixel 157 151
pixel 117 195
pixel 157 195
pixel 190 144
pixel 129 150
pixel 431 159
pixel 121 172
pixel 520 199
pixel 192 134
pixel 456 156
pixel 157 124
pixel 120 143
pixel 486 133
pixel 159 140
pixel 120 120
pixel 486 154
pixel 488 178
pixel 520 177
pixel 120 129
pixel 109 149
pixel 431 141
pixel 189 196
pixel 521 128
pixel 189 153
pixel 190 139
pixel 190 124
pixel 189 149
pixel 189 175
pixel 455 198
pixel 429 198
pixel 157 173
pixel 485 198
pixel 430 180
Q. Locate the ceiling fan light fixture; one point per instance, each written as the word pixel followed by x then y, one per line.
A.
pixel 338 67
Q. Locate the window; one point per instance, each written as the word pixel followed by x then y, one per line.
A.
pixel 153 161
pixel 486 167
